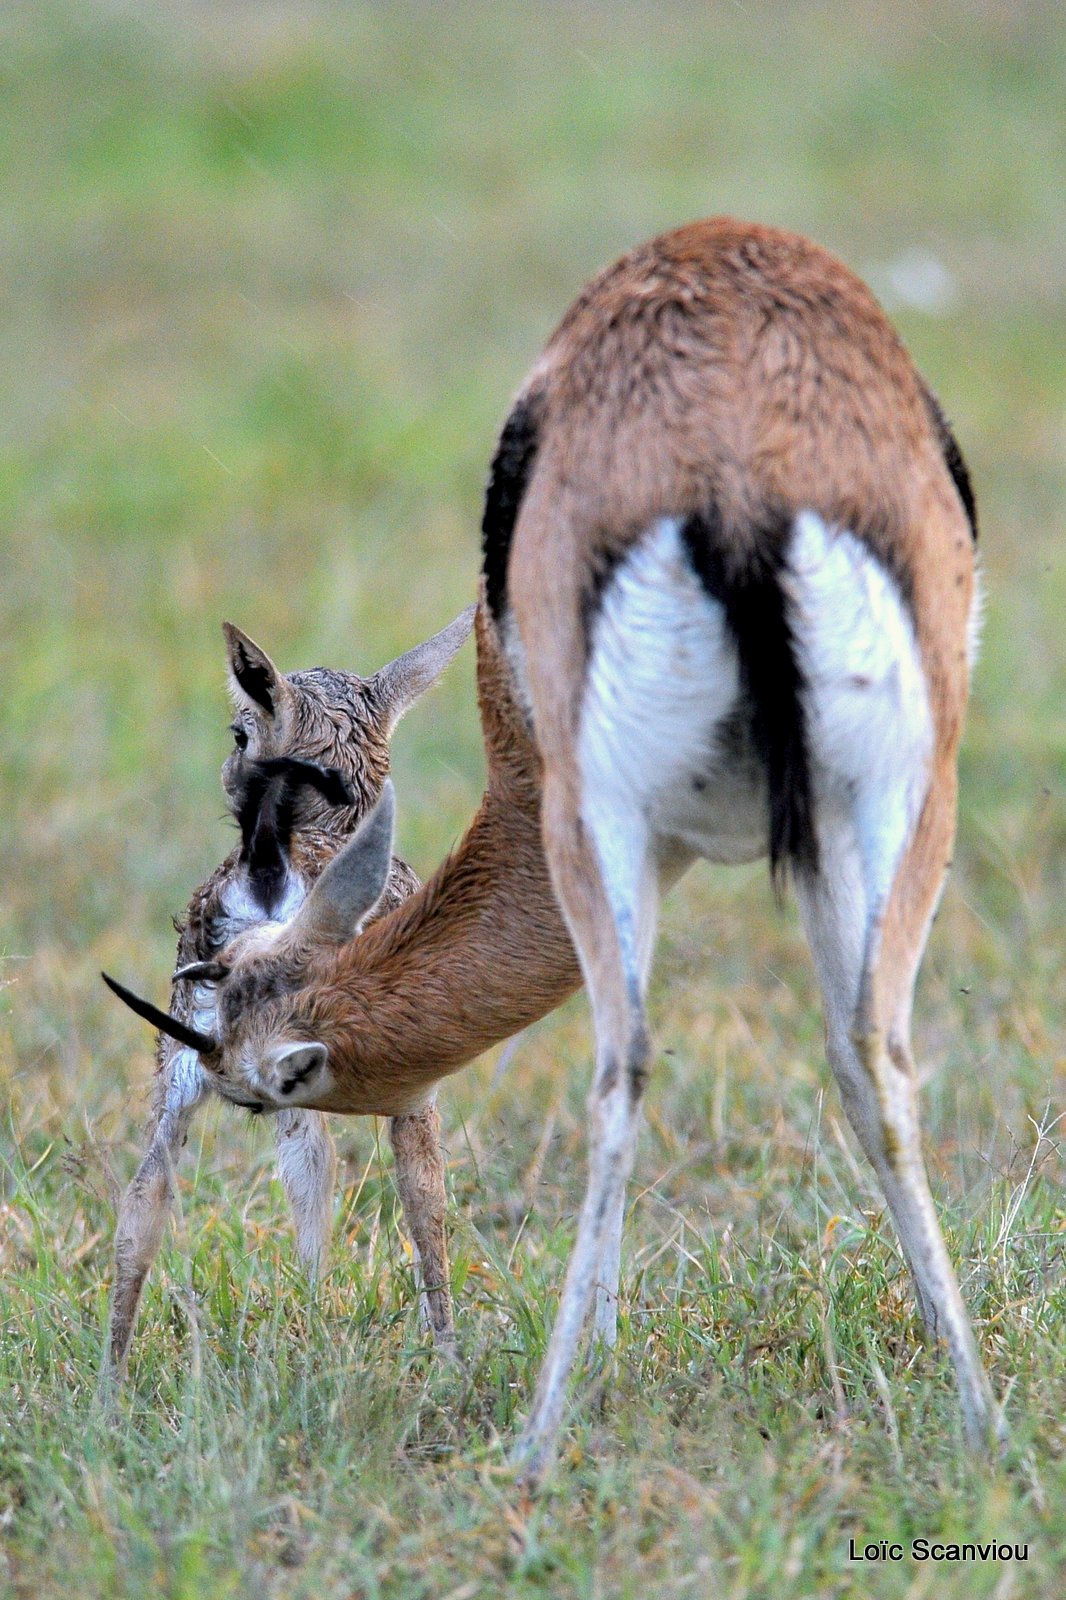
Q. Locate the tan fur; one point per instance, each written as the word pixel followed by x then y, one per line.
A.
pixel 730 362
pixel 722 358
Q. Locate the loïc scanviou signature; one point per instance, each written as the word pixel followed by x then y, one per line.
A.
pixel 933 1550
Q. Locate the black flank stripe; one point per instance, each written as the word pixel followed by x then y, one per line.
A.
pixel 954 460
pixel 747 583
pixel 508 476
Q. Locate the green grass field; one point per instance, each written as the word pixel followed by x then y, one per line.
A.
pixel 271 274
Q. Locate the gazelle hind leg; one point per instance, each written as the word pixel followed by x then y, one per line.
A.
pixel 605 1308
pixel 604 877
pixel 420 1180
pixel 146 1204
pixel 867 939
pixel 307 1167
pixel 605 1311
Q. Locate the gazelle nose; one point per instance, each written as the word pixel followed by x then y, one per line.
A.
pixel 298 1077
pixel 286 1066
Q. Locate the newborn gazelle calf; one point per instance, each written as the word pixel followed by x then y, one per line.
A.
pixel 728 612
pixel 311 754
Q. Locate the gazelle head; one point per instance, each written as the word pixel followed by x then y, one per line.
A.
pixel 305 743
pixel 271 1049
pixel 334 718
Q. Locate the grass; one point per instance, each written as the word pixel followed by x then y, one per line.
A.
pixel 272 276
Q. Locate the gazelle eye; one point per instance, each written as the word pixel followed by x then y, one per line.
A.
pixel 240 738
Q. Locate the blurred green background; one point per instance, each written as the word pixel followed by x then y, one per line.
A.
pixel 271 273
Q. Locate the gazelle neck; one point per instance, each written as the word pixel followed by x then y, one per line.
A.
pixel 477 954
pixel 480 952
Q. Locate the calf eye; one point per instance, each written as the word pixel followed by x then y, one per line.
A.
pixel 240 738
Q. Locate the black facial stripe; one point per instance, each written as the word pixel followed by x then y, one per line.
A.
pixel 266 810
pixel 330 782
pixel 509 475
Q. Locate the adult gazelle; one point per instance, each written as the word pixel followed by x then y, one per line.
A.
pixel 727 611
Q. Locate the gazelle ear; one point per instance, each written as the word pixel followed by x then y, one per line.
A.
pixel 254 681
pixel 353 883
pixel 400 684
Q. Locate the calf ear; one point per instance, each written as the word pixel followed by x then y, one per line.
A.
pixel 254 681
pixel 353 883
pixel 400 684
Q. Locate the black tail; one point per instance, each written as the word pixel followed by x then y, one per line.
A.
pixel 744 576
pixel 266 813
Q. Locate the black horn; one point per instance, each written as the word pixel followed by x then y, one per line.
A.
pixel 204 1043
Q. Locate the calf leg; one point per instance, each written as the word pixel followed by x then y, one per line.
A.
pixel 147 1201
pixel 307 1167
pixel 420 1180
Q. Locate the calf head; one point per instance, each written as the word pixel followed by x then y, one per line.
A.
pixel 275 1006
pixel 336 719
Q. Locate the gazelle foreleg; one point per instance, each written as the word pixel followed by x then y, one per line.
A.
pixel 420 1180
pixel 147 1201
pixel 604 876
pixel 307 1167
pixel 867 940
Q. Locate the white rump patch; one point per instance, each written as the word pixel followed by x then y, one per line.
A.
pixel 663 678
pixel 869 727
